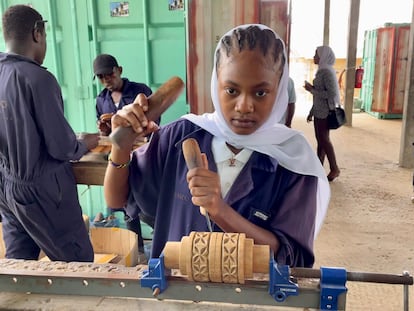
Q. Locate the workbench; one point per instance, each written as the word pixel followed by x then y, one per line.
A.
pixel 90 169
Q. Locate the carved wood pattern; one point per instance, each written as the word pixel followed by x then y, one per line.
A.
pixel 229 257
pixel 217 257
pixel 199 261
pixel 214 257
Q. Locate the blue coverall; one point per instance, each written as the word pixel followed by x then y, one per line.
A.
pixel 38 194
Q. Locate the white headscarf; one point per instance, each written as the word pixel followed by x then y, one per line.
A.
pixel 327 61
pixel 289 147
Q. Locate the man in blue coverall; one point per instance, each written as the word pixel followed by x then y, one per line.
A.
pixel 38 194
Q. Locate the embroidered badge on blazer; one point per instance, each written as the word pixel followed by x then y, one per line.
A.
pixel 260 215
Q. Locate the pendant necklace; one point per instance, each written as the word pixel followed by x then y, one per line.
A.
pixel 232 160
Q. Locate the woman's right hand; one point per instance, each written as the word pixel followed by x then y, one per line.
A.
pixel 308 86
pixel 133 115
pixel 309 118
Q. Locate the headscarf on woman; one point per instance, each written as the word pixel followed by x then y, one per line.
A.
pixel 326 61
pixel 289 147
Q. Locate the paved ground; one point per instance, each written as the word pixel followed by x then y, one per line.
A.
pixel 370 223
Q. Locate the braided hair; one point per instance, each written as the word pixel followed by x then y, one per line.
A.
pixel 251 38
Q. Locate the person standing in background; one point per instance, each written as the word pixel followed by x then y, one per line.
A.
pixel 117 91
pixel 325 91
pixel 39 202
pixel 290 110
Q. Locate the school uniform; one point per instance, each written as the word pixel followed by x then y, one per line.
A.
pixel 265 193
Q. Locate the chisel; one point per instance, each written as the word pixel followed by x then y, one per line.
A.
pixel 192 156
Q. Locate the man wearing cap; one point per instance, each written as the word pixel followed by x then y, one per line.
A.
pixel 117 91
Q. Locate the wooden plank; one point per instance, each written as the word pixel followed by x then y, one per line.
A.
pixel 69 269
pixel 117 241
pixel 89 173
pixel 104 258
pixel 90 169
pixel 98 258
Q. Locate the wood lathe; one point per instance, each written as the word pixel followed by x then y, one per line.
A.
pixel 209 267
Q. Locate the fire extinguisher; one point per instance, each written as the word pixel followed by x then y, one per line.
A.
pixel 359 74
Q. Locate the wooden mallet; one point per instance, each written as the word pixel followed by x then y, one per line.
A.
pixel 158 102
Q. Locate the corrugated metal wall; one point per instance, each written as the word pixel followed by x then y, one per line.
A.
pixel 385 63
pixel 148 41
pixel 368 63
pixel 383 69
pixel 400 70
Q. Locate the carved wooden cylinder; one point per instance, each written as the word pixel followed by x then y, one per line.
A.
pixel 217 257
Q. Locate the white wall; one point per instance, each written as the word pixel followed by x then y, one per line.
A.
pixel 307 23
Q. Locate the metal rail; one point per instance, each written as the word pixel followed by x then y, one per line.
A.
pixel 87 279
pixel 403 279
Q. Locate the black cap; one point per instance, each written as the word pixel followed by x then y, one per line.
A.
pixel 104 64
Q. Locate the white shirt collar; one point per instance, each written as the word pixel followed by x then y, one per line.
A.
pixel 222 153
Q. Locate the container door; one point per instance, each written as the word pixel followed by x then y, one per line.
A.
pixel 383 69
pixel 368 63
pixel 400 69
pixel 148 40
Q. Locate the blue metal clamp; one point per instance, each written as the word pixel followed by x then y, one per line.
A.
pixel 332 285
pixel 154 277
pixel 280 285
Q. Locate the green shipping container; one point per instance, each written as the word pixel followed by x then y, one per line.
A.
pixel 146 36
pixel 368 63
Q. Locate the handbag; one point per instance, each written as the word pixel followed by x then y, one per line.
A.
pixel 336 118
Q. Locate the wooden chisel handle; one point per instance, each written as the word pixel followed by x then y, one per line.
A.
pixel 192 156
pixel 192 153
pixel 158 102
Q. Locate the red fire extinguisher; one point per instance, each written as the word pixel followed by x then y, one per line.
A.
pixel 359 74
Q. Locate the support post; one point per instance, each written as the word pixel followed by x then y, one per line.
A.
pixel 407 129
pixel 351 60
pixel 326 22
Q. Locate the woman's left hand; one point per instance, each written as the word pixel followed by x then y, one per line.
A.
pixel 205 188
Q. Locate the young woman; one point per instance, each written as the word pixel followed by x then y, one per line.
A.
pixel 325 91
pixel 259 177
